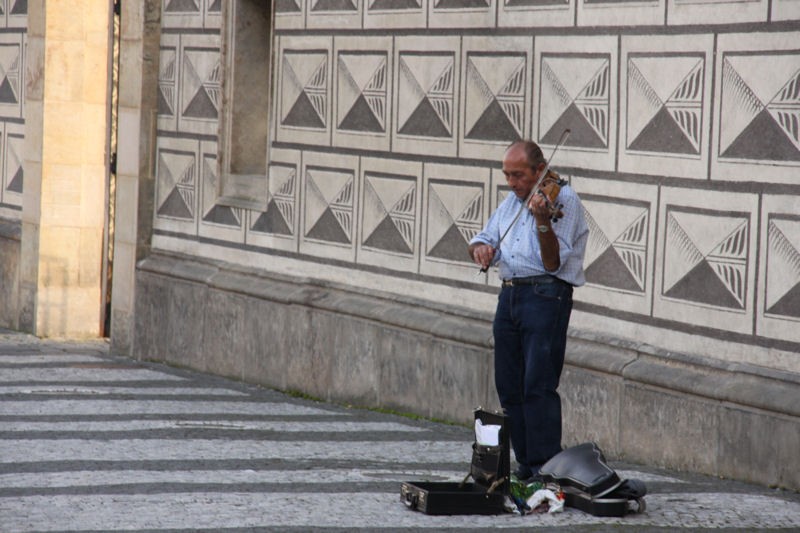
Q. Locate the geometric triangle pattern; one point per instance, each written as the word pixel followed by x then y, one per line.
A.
pixel 454 218
pixel 201 87
pixel 389 222
pixel 618 241
pixel 177 173
pixel 9 74
pixel 304 89
pixel 13 163
pixel 362 91
pixel 214 213
pixel 706 258
pixel 760 107
pixel 426 92
pixel 670 123
pixel 495 96
pixel 575 94
pixel 460 4
pixel 783 267
pixel 334 5
pixel 167 82
pixel 279 218
pixel 20 7
pixel 329 204
pixel 182 6
pixel 287 6
pixel 388 5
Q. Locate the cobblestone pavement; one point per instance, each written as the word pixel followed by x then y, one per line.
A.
pixel 93 442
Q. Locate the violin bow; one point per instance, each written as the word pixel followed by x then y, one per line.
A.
pixel 534 190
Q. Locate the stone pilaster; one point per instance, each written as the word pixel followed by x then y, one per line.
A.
pixel 65 158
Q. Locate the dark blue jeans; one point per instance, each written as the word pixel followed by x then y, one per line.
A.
pixel 530 335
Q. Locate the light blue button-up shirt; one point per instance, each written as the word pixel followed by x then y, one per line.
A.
pixel 520 255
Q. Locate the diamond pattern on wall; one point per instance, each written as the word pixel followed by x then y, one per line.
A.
pixel 616 253
pixel 329 205
pixel 167 82
pixel 287 6
pixel 14 169
pixel 575 94
pixel 304 89
pixel 454 217
pixel 495 96
pixel 10 74
pixel 177 173
pixel 706 257
pixel 390 5
pixel 182 6
pixel 201 92
pixel 362 93
pixel 389 212
pixel 665 99
pixel 334 5
pixel 279 218
pixel 783 267
pixel 426 94
pixel 760 107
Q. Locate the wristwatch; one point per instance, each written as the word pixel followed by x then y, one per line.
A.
pixel 543 228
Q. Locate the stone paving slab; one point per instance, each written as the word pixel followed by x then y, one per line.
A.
pixel 133 446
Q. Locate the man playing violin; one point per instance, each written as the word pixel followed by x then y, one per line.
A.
pixel 539 260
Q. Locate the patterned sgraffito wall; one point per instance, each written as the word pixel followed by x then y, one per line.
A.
pixel 13 39
pixel 390 118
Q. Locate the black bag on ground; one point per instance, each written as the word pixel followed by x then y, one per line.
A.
pixel 590 485
pixel 489 468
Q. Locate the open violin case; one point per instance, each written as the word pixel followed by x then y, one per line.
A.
pixel 592 486
pixel 490 469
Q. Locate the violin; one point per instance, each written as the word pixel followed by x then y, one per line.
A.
pixel 549 188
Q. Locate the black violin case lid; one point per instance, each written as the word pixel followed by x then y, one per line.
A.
pixel 592 486
pixel 490 469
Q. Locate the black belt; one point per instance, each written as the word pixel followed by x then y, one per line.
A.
pixel 531 280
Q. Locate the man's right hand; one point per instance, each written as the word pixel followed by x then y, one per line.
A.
pixel 482 254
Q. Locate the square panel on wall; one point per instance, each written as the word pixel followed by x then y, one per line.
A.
pixel 576 78
pixel 778 304
pixel 277 227
pixel 194 14
pixel 189 84
pixel 665 96
pixel 334 14
pixel 716 11
pixel 12 75
pixel 389 227
pixel 221 222
pixel 455 208
pixel 620 252
pixel 16 14
pixel 496 94
pixel 13 175
pixel 621 12
pixel 395 14
pixel 756 134
pixel 177 183
pixel 330 192
pixel 705 267
pixel 536 13
pixel 361 98
pixel 289 14
pixel 462 13
pixel 303 89
pixel 424 103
